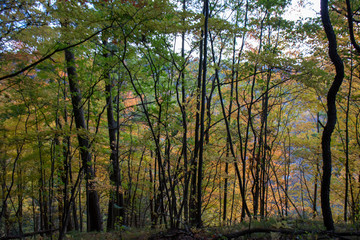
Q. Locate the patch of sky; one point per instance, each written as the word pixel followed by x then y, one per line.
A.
pixel 302 9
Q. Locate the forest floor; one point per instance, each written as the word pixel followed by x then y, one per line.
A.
pixel 270 229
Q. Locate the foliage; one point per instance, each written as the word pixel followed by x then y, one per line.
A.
pixel 266 76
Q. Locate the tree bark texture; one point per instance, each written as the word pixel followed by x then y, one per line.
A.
pixel 331 114
pixel 116 198
pixel 351 26
pixel 202 120
pixel 92 198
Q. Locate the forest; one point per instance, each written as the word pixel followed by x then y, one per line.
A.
pixel 125 115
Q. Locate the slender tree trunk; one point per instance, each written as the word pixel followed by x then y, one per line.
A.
pixel 155 132
pixel 351 26
pixel 243 150
pixel 42 188
pixel 5 213
pixel 229 137
pixel 229 120
pixel 116 204
pixel 19 211
pixel 265 147
pixel 347 169
pixel 92 198
pixel 194 160
pixel 184 125
pixel 249 123
pixel 317 170
pixel 202 121
pixel 287 172
pixel 331 113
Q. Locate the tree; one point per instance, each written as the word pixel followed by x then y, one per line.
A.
pixel 331 114
pixel 92 198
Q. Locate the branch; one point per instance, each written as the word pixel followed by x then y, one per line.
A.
pixel 351 26
pixel 52 53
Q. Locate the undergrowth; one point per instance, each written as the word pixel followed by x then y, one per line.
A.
pixel 313 226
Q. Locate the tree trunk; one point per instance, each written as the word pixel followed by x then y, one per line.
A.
pixel 351 26
pixel 202 121
pixel 194 164
pixel 116 203
pixel 92 198
pixel 347 169
pixel 331 114
pixel 184 125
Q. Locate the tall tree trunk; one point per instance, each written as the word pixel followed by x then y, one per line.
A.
pixel 228 132
pixel 184 125
pixel 351 26
pixel 347 169
pixel 265 147
pixel 20 198
pixel 92 198
pixel 227 139
pixel 65 171
pixel 242 148
pixel 5 213
pixel 116 200
pixel 155 132
pixel 42 189
pixel 202 120
pixel 317 170
pixel 194 160
pixel 331 114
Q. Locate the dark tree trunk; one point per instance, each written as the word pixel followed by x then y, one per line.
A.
pixel 229 120
pixel 242 148
pixel 116 201
pixel 19 211
pixel 202 121
pixel 155 132
pixel 192 199
pixel 347 169
pixel 5 213
pixel 351 26
pixel 184 125
pixel 317 171
pixel 228 132
pixel 92 198
pixel 331 114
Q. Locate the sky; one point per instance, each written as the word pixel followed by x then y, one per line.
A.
pixel 310 8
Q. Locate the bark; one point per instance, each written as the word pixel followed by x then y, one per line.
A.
pixel 237 94
pixel 92 198
pixel 229 120
pixel 4 207
pixel 331 114
pixel 5 210
pixel 202 121
pixel 20 199
pixel 351 26
pixel 42 189
pixel 347 169
pixel 184 125
pixel 317 171
pixel 194 165
pixel 116 200
pixel 287 172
